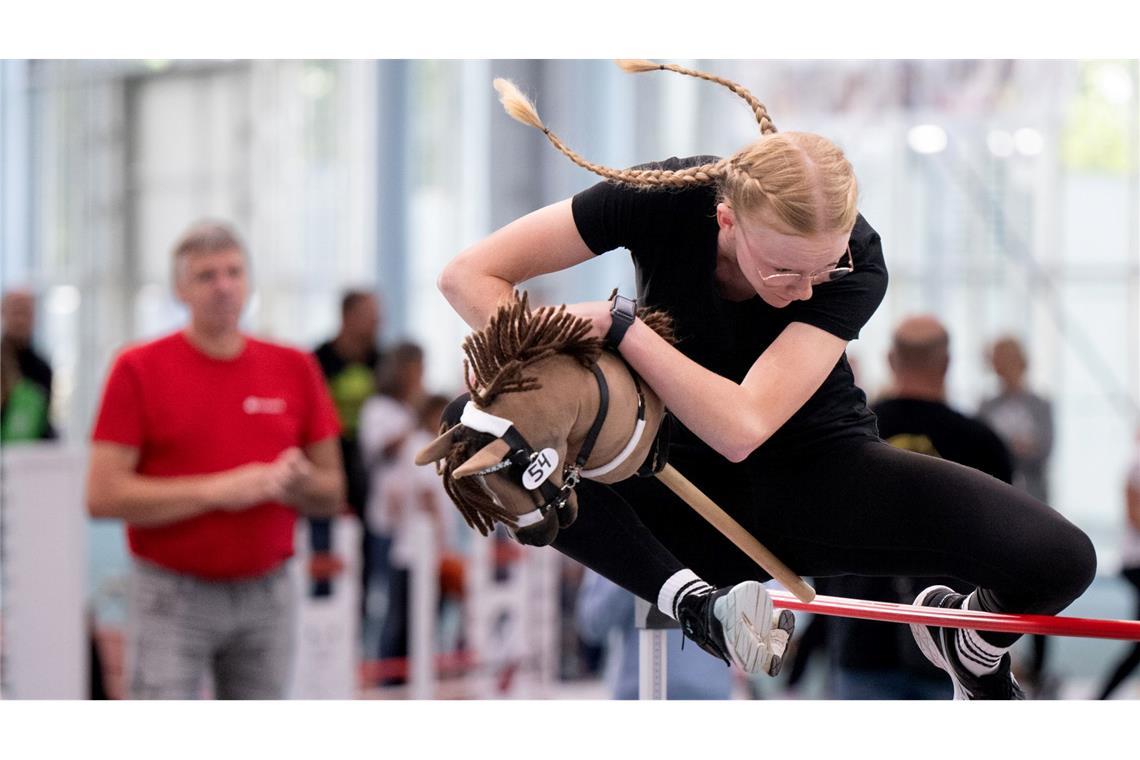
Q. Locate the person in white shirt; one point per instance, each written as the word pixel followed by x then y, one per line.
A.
pixel 418 494
pixel 413 495
pixel 416 489
pixel 386 420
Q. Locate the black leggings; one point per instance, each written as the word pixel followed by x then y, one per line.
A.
pixel 862 507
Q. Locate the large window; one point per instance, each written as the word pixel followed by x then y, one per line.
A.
pixel 1006 193
pixel 125 156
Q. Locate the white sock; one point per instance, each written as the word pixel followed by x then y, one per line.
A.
pixel 680 584
pixel 977 655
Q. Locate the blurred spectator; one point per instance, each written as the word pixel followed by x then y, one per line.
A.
pixel 578 658
pixel 419 490
pixel 386 421
pixel 348 362
pixel 456 539
pixel 1024 420
pixel 691 673
pixel 1130 558
pixel 880 660
pixel 206 444
pixel 25 378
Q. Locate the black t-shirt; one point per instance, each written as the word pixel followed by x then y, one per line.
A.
pixel 332 363
pixel 34 368
pixel 672 237
pixel 350 383
pixel 932 428
pixel 911 423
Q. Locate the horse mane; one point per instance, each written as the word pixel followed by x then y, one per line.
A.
pixel 496 359
pixel 516 337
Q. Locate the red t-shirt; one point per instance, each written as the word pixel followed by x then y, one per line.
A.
pixel 190 414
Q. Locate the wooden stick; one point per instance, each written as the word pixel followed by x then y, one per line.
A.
pixel 735 533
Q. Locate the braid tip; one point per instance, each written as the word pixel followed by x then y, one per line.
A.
pixel 638 65
pixel 517 105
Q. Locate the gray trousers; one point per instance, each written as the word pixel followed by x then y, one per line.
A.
pixel 181 629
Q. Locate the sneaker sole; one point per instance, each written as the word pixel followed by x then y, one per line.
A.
pixel 930 649
pixel 747 623
pixel 785 621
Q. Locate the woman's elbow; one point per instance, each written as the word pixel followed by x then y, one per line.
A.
pixel 452 279
pixel 737 453
pixel 744 441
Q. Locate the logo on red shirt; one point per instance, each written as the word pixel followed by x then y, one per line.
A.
pixel 258 405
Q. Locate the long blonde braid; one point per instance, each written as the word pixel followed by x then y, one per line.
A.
pixel 637 66
pixel 521 109
pixel 803 179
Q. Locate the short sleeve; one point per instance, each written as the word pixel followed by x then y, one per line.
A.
pixel 605 215
pixel 121 416
pixel 844 306
pixel 321 419
pixel 612 215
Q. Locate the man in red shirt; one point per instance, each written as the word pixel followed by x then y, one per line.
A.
pixel 207 444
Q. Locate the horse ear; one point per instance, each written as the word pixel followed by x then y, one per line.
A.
pixel 489 455
pixel 437 449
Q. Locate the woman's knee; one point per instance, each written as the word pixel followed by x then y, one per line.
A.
pixel 1082 562
pixel 1069 566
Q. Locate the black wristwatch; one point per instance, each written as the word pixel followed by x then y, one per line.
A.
pixel 623 313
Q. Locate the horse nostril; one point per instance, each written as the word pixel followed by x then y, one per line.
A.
pixel 539 534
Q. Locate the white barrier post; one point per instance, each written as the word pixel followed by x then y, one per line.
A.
pixel 423 603
pixel 327 629
pixel 44 578
pixel 652 654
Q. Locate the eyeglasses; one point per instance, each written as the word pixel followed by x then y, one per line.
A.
pixel 831 274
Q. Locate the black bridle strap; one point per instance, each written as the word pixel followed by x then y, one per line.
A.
pixel 521 455
pixel 599 419
pixel 639 426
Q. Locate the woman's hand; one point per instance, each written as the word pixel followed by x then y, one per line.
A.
pixel 598 314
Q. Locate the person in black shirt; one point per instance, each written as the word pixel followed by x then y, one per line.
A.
pixel 348 362
pixel 878 660
pixel 768 270
pixel 24 366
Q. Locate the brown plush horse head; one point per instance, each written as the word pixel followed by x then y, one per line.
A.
pixel 548 406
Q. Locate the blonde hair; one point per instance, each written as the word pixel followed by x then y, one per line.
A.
pixel 802 179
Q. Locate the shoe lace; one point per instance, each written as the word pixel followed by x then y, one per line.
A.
pixel 701 619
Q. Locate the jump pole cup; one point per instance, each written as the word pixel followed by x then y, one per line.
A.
pixel 735 532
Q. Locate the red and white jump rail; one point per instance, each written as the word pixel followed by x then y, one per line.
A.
pixel 952 618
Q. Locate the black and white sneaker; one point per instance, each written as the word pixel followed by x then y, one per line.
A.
pixel 937 645
pixel 738 625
